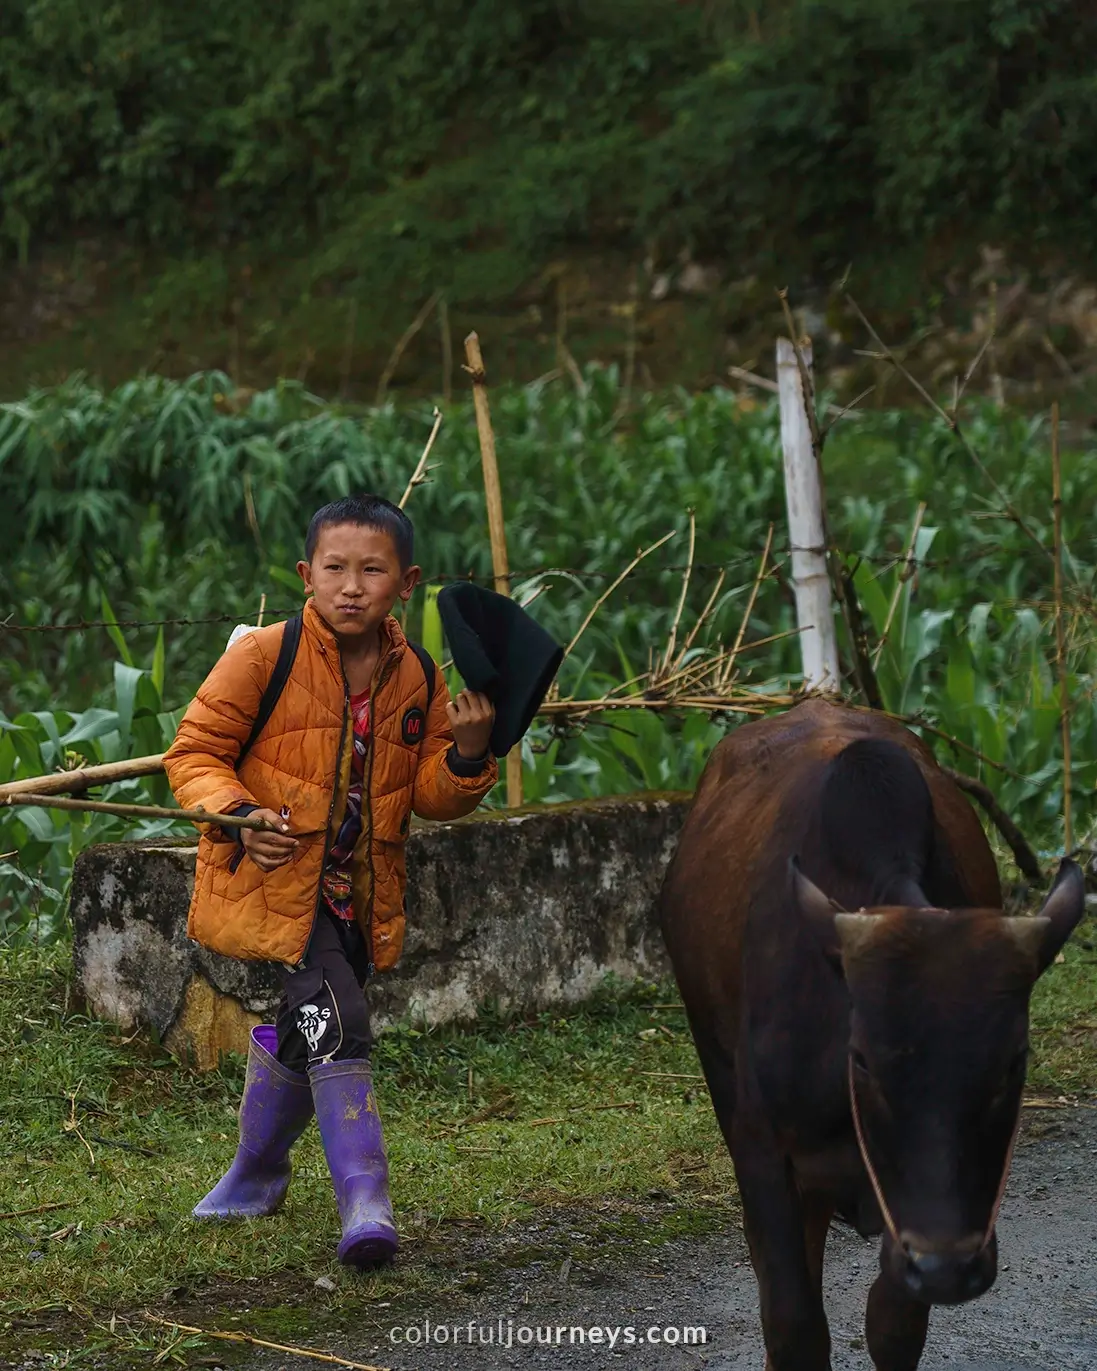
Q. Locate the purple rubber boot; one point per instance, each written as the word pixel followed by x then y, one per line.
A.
pixel 350 1127
pixel 274 1111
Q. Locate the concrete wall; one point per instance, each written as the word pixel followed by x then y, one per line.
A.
pixel 529 909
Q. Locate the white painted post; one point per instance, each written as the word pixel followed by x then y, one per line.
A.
pixel 803 498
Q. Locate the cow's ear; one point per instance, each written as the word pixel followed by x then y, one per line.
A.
pixel 1063 910
pixel 818 910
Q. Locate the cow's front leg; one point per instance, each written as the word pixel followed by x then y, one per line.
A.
pixel 895 1327
pixel 786 1253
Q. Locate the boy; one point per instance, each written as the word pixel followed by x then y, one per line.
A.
pixel 353 746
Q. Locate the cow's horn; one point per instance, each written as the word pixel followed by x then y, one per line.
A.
pixel 1028 934
pixel 854 931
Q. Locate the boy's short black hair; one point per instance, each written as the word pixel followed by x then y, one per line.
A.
pixel 367 511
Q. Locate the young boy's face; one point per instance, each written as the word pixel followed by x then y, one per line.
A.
pixel 355 578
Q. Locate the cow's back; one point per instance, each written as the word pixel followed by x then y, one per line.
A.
pixel 754 806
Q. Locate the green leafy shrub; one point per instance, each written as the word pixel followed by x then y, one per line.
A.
pixel 40 845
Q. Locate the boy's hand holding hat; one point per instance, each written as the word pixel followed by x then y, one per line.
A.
pixel 471 716
pixel 502 654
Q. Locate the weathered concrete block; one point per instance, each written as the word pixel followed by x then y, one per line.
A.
pixel 529 909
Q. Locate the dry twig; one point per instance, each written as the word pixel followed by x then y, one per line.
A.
pixel 401 343
pixel 669 653
pixel 952 420
pixel 726 674
pixel 328 1357
pixel 764 383
pixel 613 586
pixel 1060 634
pixel 37 1209
pixel 71 1126
pixel 905 572
pixel 419 475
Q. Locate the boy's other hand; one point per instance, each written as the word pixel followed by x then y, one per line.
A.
pixel 268 850
pixel 471 716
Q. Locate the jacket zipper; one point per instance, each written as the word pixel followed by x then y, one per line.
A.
pixel 331 808
pixel 384 671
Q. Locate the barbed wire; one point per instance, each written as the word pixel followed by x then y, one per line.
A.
pixel 884 561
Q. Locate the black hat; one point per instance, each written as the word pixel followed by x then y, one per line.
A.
pixel 501 653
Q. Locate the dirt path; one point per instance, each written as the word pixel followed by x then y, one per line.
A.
pixel 595 1268
pixel 1040 1316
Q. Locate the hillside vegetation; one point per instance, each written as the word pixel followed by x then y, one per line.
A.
pixel 275 188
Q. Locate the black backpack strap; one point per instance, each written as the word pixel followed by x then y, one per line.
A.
pixel 426 661
pixel 287 654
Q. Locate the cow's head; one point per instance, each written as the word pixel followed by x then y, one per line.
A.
pixel 938 1049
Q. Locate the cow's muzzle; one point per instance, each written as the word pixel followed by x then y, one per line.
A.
pixel 933 1273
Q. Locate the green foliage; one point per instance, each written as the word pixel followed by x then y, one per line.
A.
pixel 460 145
pixel 143 492
pixel 171 468
pixel 41 845
pixel 861 117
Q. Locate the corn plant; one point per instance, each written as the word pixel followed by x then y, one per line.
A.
pixel 41 844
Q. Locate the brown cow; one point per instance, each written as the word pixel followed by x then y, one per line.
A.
pixel 866 1066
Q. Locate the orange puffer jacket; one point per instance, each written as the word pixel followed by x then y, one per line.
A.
pixel 302 759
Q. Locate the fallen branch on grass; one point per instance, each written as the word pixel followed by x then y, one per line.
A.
pixel 672 1075
pixel 328 1357
pixel 38 1209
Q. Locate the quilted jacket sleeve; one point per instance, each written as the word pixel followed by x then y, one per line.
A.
pixel 201 762
pixel 441 790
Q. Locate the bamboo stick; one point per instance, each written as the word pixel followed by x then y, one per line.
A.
pixel 1060 633
pixel 492 489
pixel 124 811
pixel 496 526
pixel 84 777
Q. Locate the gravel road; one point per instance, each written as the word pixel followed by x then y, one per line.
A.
pixel 1040 1316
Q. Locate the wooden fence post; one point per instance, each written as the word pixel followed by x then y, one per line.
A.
pixel 806 526
pixel 496 527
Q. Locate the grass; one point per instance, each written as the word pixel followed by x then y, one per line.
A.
pixel 126 1140
pixel 129 1141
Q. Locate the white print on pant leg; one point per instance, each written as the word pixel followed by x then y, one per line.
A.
pixel 312 1022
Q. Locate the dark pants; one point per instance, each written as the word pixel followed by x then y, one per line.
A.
pixel 323 1015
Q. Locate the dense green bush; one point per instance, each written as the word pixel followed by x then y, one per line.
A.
pixel 864 117
pixel 458 144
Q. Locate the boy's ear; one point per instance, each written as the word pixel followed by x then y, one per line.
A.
pixel 412 577
pixel 304 570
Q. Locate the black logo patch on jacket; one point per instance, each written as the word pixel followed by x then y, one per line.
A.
pixel 413 727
